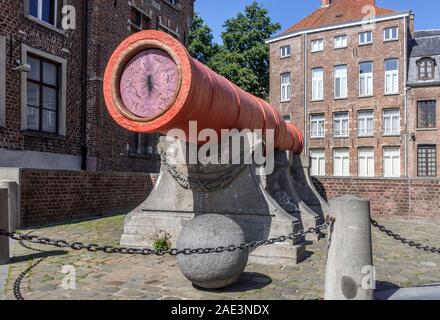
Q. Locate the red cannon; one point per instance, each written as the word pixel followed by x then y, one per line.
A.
pixel 152 84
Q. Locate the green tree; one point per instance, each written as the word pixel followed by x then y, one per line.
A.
pixel 244 56
pixel 201 45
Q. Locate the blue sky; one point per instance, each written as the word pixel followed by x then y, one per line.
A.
pixel 288 12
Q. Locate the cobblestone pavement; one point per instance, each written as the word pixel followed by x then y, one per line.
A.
pixel 101 276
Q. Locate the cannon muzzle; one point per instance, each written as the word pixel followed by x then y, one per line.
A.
pixel 152 84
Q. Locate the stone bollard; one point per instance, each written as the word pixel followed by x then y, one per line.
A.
pixel 350 273
pixel 13 203
pixel 4 224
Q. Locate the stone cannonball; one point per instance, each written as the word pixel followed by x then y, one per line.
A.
pixel 212 270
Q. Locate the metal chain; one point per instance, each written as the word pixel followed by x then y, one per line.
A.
pixel 149 252
pixel 397 237
pixel 199 184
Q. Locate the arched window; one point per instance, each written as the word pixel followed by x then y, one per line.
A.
pixel 426 68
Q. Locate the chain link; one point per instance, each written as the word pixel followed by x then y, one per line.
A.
pixel 199 184
pixel 399 238
pixel 78 246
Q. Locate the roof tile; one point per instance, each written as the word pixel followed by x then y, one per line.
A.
pixel 340 11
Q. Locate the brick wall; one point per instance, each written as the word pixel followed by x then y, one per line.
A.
pixel 49 196
pixel 396 197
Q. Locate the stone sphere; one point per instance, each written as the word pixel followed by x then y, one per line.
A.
pixel 212 270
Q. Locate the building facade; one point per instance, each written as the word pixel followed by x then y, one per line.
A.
pixel 52 58
pixel 341 74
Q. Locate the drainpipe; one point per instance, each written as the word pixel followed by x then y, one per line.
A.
pixel 84 75
pixel 406 94
pixel 306 141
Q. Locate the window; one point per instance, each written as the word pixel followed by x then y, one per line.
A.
pixel 391 122
pixel 391 162
pixel 175 3
pixel 317 124
pixel 365 123
pixel 317 84
pixel 390 34
pixel 365 38
pixel 285 52
pixel 136 18
pixel 318 45
pixel 391 76
pixel 341 42
pixel 341 163
pixel 366 79
pixel 340 124
pixel 426 114
pixel 427 161
pixel 2 81
pixel 340 74
pixel 42 95
pixel 45 10
pixel 139 20
pixel 285 87
pixel 318 162
pixel 366 162
pixel 426 68
pixel 287 118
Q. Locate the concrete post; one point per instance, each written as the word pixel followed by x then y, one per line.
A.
pixel 350 273
pixel 13 203
pixel 4 224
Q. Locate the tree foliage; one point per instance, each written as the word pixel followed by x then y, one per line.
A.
pixel 244 57
pixel 201 42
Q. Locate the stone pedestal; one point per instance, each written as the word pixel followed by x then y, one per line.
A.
pixel 263 206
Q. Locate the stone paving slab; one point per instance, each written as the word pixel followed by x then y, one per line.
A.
pixel 120 277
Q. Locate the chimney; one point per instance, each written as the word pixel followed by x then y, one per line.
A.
pixel 325 3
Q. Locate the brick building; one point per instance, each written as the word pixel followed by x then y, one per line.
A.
pixel 58 144
pixel 52 113
pixel 346 74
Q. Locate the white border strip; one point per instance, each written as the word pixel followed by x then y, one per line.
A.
pixel 339 26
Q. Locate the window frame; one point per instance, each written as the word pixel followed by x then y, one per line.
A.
pixel 41 85
pixel 319 155
pixel 365 75
pixel 419 102
pixel 392 73
pixel 27 50
pixel 391 38
pixel 370 152
pixel 433 64
pixel 320 121
pixel 320 87
pixel 428 169
pixel 288 87
pixel 391 149
pixel 289 50
pixel 335 41
pixel 344 151
pixel 361 43
pixel 321 40
pixel 341 133
pixel 58 5
pixel 365 118
pixel 392 132
pixel 346 82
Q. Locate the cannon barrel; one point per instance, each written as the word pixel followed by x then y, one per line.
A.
pixel 152 84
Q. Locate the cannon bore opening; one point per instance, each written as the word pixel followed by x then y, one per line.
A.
pixel 150 83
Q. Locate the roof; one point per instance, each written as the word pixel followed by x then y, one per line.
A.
pixel 340 11
pixel 425 43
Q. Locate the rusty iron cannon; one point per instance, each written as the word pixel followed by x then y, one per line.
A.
pixel 152 84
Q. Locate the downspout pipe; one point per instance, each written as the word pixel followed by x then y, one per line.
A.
pixel 84 74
